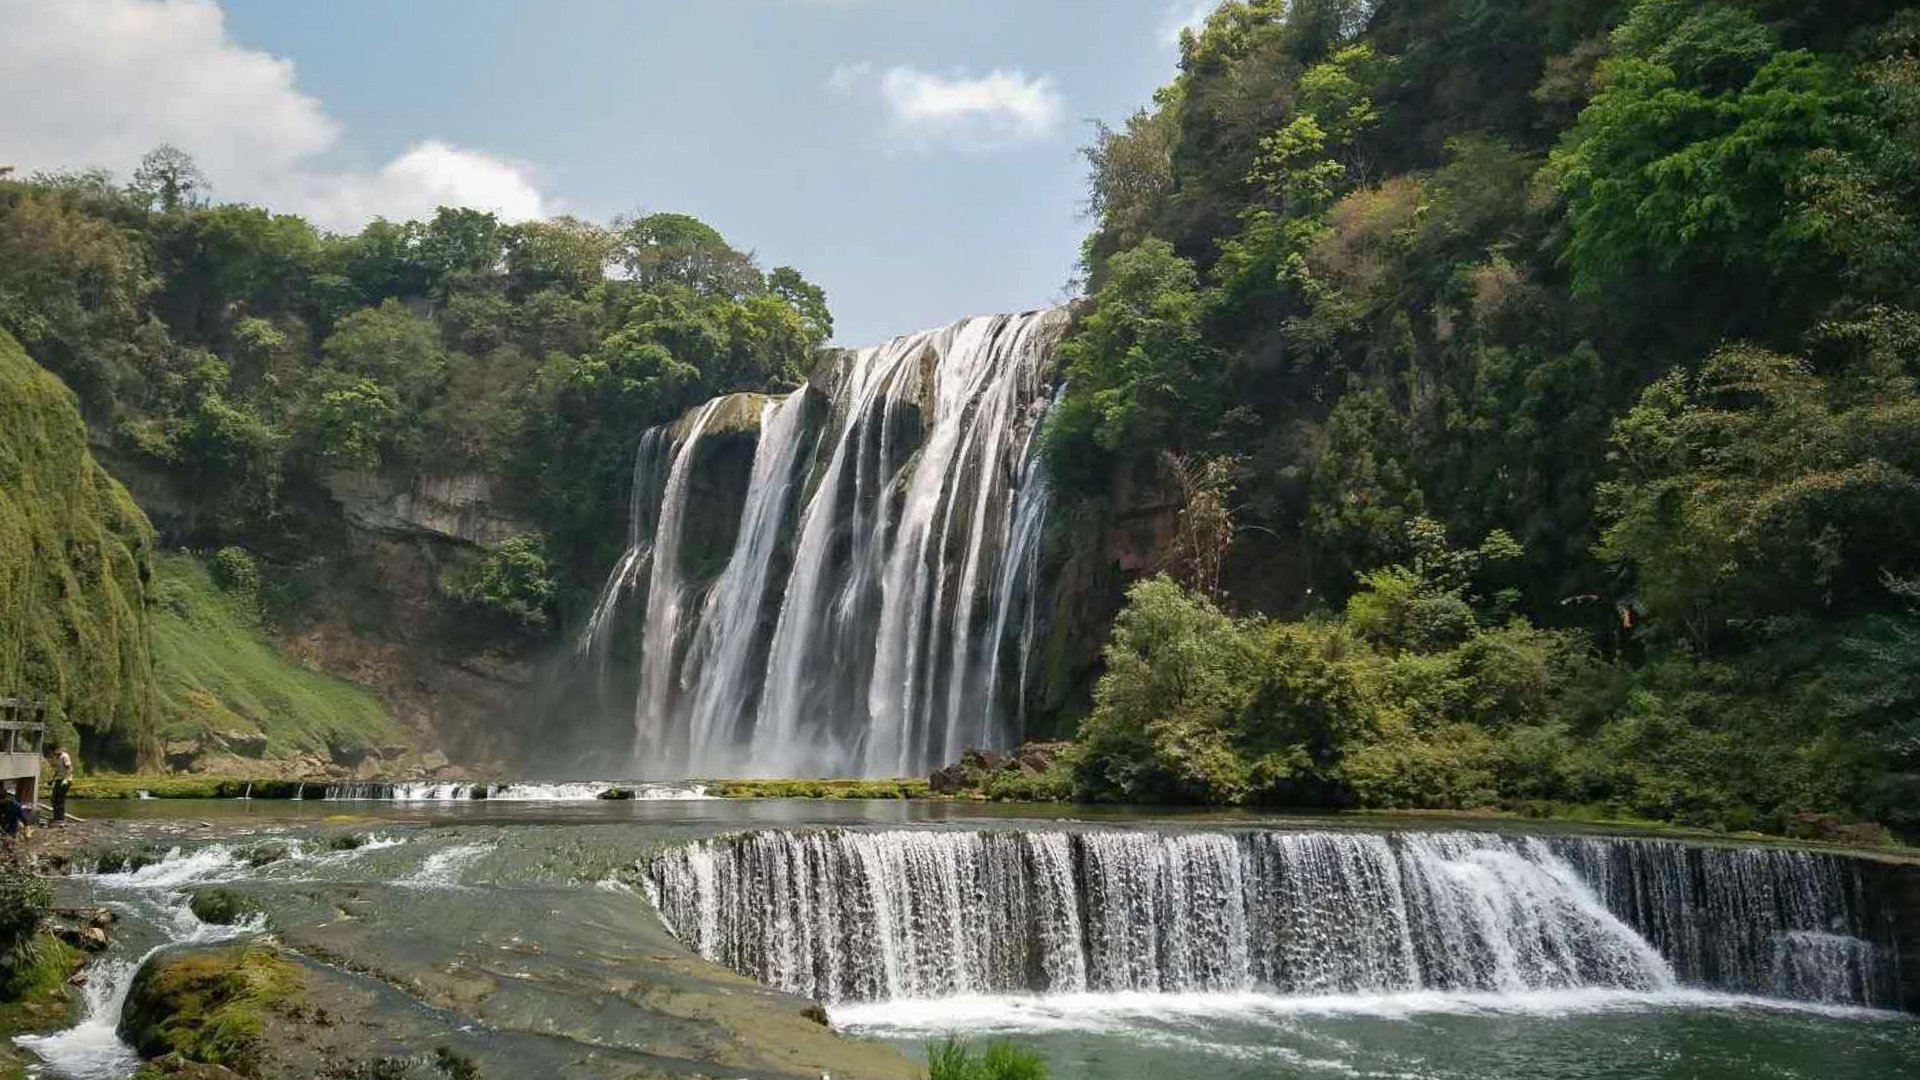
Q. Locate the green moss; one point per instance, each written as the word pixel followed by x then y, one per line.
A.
pixel 819 789
pixel 193 787
pixel 208 1006
pixel 34 995
pixel 221 907
pixel 75 561
pixel 219 674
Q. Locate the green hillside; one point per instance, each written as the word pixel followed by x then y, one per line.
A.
pixel 224 686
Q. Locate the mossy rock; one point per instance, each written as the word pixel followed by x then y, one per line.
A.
pixel 263 854
pixel 127 860
pixel 34 994
pixel 222 907
pixel 617 794
pixel 347 842
pixel 208 1005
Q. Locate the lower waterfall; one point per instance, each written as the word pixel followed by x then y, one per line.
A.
pixel 849 916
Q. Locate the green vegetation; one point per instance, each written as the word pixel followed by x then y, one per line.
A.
pixel 511 583
pixel 35 997
pixel 818 789
pixel 208 1005
pixel 75 559
pixel 248 356
pixel 1538 380
pixel 951 1059
pixel 34 966
pixel 25 902
pixel 221 681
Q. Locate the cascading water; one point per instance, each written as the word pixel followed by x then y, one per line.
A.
pixel 872 609
pixel 871 916
pixel 518 791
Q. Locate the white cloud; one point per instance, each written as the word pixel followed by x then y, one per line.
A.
pixel 1184 15
pixel 100 82
pixel 970 112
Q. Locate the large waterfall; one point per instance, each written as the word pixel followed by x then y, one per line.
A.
pixel 852 596
pixel 867 916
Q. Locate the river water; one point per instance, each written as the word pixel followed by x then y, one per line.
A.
pixel 522 933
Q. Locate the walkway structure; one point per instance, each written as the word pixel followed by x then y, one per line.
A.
pixel 23 732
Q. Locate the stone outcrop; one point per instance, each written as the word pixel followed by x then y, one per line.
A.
pixel 461 507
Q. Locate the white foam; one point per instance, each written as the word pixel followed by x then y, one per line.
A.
pixel 176 868
pixel 1120 1013
pixel 443 868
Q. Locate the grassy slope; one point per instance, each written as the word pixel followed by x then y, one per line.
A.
pixel 217 673
pixel 74 562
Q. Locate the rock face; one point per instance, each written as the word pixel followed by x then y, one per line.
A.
pixel 461 506
pixel 75 564
pixel 377 618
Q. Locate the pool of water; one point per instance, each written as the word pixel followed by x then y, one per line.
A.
pixel 519 933
pixel 1578 1035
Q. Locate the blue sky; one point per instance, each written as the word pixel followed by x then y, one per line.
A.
pixel 915 157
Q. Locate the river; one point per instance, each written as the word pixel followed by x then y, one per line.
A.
pixel 525 934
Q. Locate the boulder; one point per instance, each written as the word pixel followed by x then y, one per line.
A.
pixel 208 1006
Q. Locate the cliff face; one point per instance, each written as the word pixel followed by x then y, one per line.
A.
pixel 75 567
pixel 369 609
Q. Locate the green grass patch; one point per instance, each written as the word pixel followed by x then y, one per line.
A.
pixel 219 674
pixel 951 1059
pixel 818 789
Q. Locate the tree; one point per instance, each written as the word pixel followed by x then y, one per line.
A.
pixel 1690 154
pixel 1205 528
pixel 1141 377
pixel 168 178
pixel 1752 490
pixel 656 249
pixel 806 298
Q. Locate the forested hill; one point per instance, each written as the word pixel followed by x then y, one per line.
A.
pixel 1519 396
pixel 1549 366
pixel 415 441
pixel 257 355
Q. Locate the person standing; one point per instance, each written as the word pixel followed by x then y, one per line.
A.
pixel 12 814
pixel 62 780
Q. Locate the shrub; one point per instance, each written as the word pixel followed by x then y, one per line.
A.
pixel 24 903
pixel 512 582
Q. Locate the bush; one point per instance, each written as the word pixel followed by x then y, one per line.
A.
pixel 236 571
pixel 24 903
pixel 512 583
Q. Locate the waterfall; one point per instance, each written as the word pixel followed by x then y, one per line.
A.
pixel 872 916
pixel 724 650
pixel 873 607
pixel 517 791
